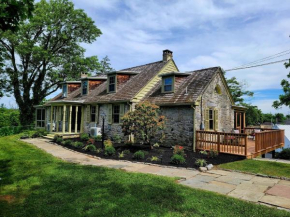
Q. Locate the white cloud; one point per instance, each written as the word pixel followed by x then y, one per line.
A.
pixel 266 107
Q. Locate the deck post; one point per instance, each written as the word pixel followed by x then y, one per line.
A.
pixel 69 126
pixel 246 145
pixel 273 154
pixel 76 120
pixel 218 141
pixel 63 119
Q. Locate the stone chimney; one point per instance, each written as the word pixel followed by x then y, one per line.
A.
pixel 84 75
pixel 167 55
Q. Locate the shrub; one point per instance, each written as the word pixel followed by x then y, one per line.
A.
pixel 156 145
pixel 178 150
pixel 90 141
pixel 108 143
pixel 90 148
pixel 204 153
pixel 177 159
pixel 98 138
pixel 126 152
pixel 213 153
pixel 84 137
pixel 56 137
pixel 154 158
pixel 59 140
pixel 284 154
pixel 99 150
pixel 78 145
pixel 67 142
pixel 109 150
pixel 139 155
pixel 200 162
pixel 117 138
pixel 121 154
pixel 144 122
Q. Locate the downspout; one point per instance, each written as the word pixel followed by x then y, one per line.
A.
pixel 193 129
pixel 201 115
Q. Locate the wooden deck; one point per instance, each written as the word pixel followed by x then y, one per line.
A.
pixel 240 144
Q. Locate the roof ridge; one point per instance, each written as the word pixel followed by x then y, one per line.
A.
pixel 142 65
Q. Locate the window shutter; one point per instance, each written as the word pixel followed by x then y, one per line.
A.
pixel 121 111
pixel 216 120
pixel 110 113
pixel 206 121
pixel 88 113
pixel 97 114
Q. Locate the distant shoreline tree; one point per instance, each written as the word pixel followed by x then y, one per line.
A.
pixel 46 51
pixel 105 66
pixel 284 99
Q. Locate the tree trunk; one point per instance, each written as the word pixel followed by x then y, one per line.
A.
pixel 26 114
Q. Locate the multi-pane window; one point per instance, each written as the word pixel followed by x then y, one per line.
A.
pixel 85 87
pixel 93 113
pixel 112 83
pixel 40 117
pixel 64 90
pixel 168 84
pixel 211 119
pixel 116 113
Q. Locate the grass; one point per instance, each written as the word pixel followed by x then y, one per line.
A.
pixel 36 184
pixel 261 167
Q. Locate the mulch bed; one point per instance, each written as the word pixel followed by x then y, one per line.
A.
pixel 163 153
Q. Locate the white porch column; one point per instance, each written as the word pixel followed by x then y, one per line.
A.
pixel 69 126
pixel 51 121
pixel 56 118
pixel 76 120
pixel 82 120
pixel 63 119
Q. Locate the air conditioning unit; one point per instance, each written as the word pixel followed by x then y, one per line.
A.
pixel 95 131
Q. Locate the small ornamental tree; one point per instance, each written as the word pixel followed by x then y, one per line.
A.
pixel 144 122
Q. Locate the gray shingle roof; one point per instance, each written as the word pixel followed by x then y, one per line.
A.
pixel 195 84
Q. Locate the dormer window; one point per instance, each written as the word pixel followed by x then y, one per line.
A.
pixel 85 87
pixel 64 90
pixel 168 84
pixel 112 84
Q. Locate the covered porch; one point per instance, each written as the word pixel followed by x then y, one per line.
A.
pixel 61 118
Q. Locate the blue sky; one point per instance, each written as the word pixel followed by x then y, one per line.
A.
pixel 201 34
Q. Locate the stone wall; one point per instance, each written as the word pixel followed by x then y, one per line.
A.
pixel 110 129
pixel 179 126
pixel 214 100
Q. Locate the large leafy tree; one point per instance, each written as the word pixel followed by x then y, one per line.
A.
pixel 254 115
pixel 284 99
pixel 45 51
pixel 238 90
pixel 12 12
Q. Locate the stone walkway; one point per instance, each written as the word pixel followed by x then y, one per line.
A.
pixel 273 192
pixel 273 160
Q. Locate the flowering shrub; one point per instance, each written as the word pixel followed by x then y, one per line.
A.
pixel 178 149
pixel 90 142
pixel 108 143
pixel 144 122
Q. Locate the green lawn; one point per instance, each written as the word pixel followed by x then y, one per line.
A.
pixel 36 184
pixel 261 167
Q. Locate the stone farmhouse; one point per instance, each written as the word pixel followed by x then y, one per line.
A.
pixel 190 101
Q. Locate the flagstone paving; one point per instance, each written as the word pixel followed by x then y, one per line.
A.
pixel 267 191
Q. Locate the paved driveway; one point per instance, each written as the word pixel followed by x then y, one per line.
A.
pixel 274 192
